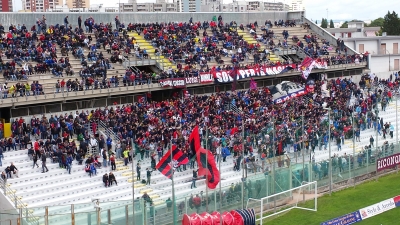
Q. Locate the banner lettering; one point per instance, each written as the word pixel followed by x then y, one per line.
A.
pixel 225 76
pixel 206 77
pixel 388 162
pixel 192 80
pixel 173 82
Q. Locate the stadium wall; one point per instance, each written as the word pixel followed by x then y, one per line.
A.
pixel 30 19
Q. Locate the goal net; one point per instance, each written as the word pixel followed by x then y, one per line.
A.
pixel 302 197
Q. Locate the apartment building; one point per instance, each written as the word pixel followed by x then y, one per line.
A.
pixel 78 3
pixel 158 6
pixel 296 5
pixel 246 6
pixel 40 5
pixel 188 5
pixel 6 6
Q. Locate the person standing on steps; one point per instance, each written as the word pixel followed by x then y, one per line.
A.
pixel 148 176
pixel 69 163
pixel 138 168
pixel 66 22
pixel 80 22
pixel 112 161
pixel 104 154
pixel 126 156
pixel 35 159
pixel 44 163
pixel 194 178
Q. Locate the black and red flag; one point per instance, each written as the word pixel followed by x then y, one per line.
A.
pixel 194 140
pixel 207 167
pixel 164 166
pixel 205 160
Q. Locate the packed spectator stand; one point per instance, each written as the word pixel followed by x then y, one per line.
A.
pixel 151 126
pixel 62 57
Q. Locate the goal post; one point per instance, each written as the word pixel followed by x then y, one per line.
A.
pixel 285 201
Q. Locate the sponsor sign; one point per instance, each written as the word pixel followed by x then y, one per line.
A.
pixel 347 219
pixel 378 208
pixel 388 162
pixel 173 82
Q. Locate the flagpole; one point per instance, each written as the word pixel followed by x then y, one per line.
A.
pixel 242 162
pixel 220 189
pixel 174 217
pixel 133 190
pixel 273 159
pixel 206 165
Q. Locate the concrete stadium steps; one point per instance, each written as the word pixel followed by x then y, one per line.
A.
pixel 388 116
pixel 144 44
pixel 250 39
pixel 299 31
pixel 33 192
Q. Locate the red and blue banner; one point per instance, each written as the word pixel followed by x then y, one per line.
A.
pixel 366 212
pixel 347 219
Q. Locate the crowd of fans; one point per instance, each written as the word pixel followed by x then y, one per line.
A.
pixel 190 45
pixel 240 130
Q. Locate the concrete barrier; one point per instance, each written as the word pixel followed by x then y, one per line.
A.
pixel 30 18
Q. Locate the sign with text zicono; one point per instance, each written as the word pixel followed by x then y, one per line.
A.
pixel 347 219
pixel 376 209
pixel 388 162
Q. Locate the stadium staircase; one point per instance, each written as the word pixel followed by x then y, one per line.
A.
pixel 163 63
pixel 247 37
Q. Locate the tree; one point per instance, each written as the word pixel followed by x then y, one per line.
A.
pixel 331 25
pixel 345 25
pixel 376 22
pixel 391 24
pixel 324 23
pixel 316 21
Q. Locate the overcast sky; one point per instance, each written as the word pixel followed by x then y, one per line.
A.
pixel 315 9
pixel 349 9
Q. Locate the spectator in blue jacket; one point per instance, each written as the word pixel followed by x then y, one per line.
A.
pixel 69 163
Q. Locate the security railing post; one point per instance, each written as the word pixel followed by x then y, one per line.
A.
pixel 127 215
pixel 46 215
pixel 72 215
pixel 109 216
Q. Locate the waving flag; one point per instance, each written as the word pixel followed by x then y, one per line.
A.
pixel 253 84
pixel 306 66
pixel 164 166
pixel 194 140
pixel 205 160
pixel 207 167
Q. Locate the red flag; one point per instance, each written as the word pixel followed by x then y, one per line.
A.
pixel 234 130
pixel 177 155
pixel 194 140
pixel 205 160
pixel 207 167
pixel 253 84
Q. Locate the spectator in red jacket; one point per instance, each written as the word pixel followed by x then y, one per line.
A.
pixel 197 203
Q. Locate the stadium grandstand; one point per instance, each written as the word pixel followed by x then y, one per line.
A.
pixel 90 99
